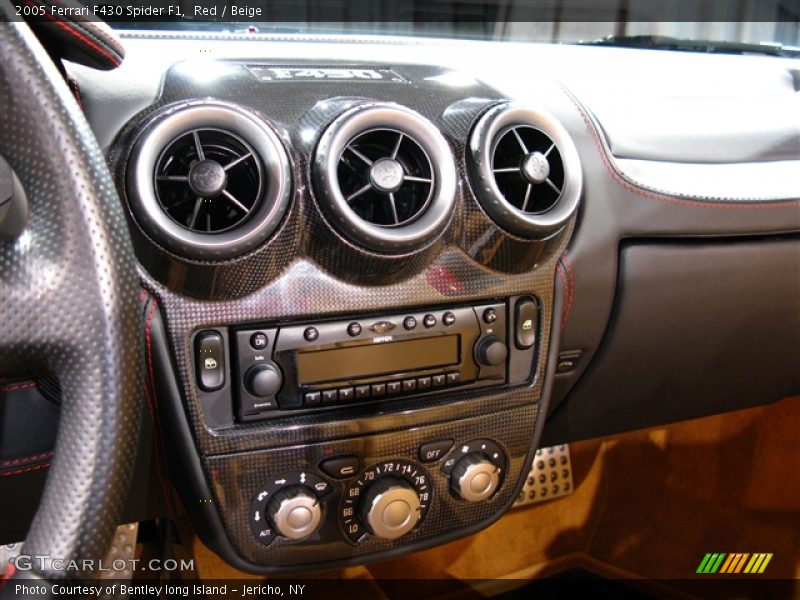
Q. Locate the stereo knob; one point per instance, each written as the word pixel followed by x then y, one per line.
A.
pixel 264 380
pixel 491 351
pixel 390 508
pixel 474 478
pixel 295 512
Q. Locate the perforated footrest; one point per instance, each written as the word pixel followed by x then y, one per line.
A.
pixel 121 553
pixel 550 476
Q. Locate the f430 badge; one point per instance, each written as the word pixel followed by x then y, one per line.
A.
pixel 308 73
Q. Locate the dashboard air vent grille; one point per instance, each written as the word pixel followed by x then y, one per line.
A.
pixel 386 177
pixel 525 170
pixel 208 180
pixel 528 169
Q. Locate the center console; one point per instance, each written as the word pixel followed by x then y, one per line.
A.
pixel 352 301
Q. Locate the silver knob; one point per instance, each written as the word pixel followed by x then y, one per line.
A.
pixel 391 508
pixel 474 478
pixel 295 512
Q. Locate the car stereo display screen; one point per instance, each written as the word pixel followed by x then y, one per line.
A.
pixel 376 359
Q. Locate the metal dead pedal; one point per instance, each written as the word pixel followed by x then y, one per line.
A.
pixel 550 476
pixel 121 553
pixel 119 560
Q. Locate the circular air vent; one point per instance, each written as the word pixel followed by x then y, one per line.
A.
pixel 526 170
pixel 208 180
pixel 386 176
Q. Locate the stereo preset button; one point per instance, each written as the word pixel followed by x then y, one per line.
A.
pixel 409 385
pixel 438 380
pixel 354 329
pixel 453 378
pixel 433 451
pixel 429 321
pixel 382 326
pixel 311 334
pixel 312 398
pixel 378 389
pixel 489 316
pixel 340 467
pixel 258 341
pixel 448 318
pixel 409 323
pixel 329 396
pixel 393 387
pixel 423 383
pixel 346 394
pixel 362 391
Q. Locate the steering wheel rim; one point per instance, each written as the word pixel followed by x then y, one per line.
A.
pixel 68 302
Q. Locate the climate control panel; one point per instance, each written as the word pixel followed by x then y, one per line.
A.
pixel 385 500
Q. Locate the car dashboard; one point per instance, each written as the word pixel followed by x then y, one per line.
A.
pixel 379 273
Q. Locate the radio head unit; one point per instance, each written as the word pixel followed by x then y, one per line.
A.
pixel 312 366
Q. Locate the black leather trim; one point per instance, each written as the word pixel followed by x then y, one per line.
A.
pixel 698 327
pixel 76 38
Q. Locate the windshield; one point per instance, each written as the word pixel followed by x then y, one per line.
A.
pixel 548 21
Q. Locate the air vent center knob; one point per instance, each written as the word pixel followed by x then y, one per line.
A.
pixel 535 167
pixel 207 178
pixel 386 175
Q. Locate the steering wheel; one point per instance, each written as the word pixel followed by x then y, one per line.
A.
pixel 68 302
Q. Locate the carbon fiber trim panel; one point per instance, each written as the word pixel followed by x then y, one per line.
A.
pixel 300 111
pixel 236 480
pixel 304 290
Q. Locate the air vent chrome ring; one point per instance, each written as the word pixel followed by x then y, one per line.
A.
pixel 386 177
pixel 525 170
pixel 208 180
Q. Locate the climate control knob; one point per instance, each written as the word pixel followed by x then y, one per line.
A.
pixel 387 500
pixel 474 478
pixel 390 508
pixel 491 351
pixel 295 512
